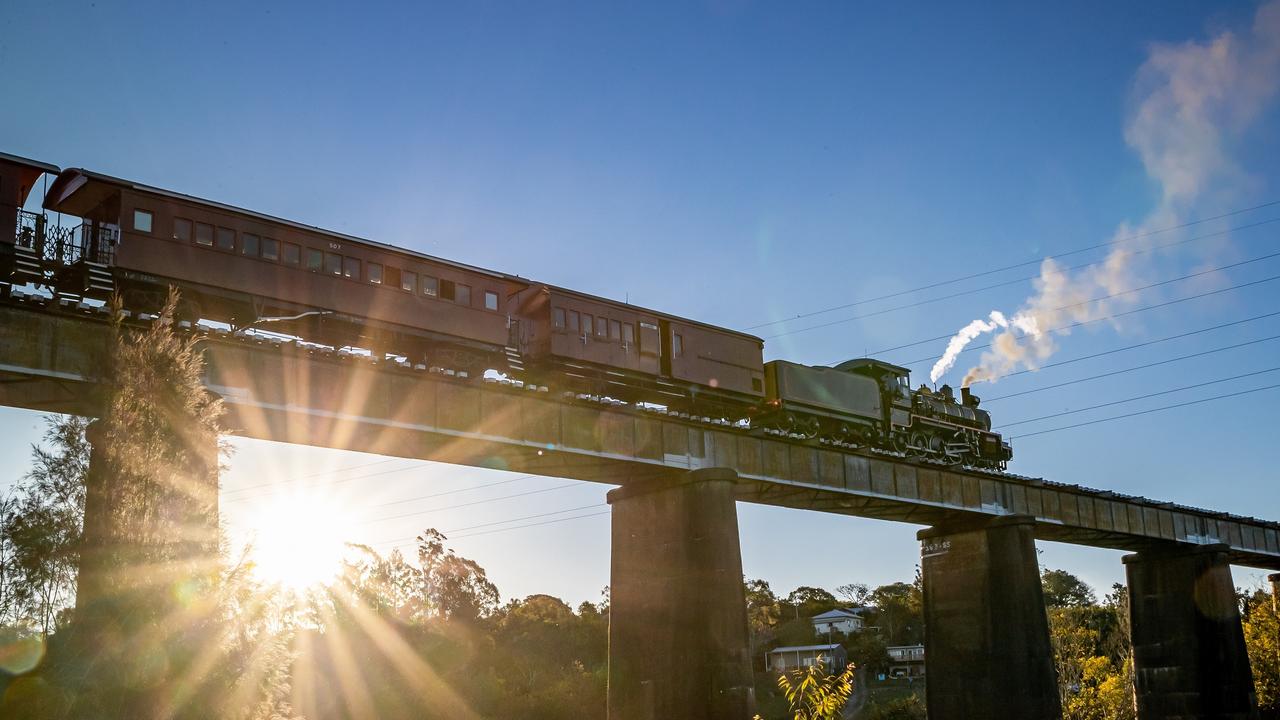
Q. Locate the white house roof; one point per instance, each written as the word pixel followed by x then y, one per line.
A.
pixel 837 614
pixel 804 648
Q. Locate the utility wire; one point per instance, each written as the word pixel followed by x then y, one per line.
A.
pixel 1073 326
pixel 1016 281
pixel 1132 369
pixel 399 541
pixel 339 481
pixel 312 475
pixel 1147 412
pixel 1135 398
pixel 470 504
pixel 1015 266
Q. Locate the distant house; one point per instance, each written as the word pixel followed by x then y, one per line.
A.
pixel 906 660
pixel 785 659
pixel 841 620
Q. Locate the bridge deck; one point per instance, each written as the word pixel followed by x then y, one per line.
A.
pixel 282 392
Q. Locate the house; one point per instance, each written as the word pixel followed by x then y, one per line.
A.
pixel 841 620
pixel 785 659
pixel 906 660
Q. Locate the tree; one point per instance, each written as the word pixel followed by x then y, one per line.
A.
pixel 1262 639
pixel 815 695
pixel 763 608
pixel 810 601
pixel 456 587
pixel 856 594
pixel 40 526
pixel 900 612
pixel 149 568
pixel 1092 659
pixel 1062 589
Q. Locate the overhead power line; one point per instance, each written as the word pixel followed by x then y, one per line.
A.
pixel 1148 411
pixel 339 481
pixel 1131 369
pixel 428 511
pixel 300 478
pixel 993 271
pixel 973 291
pixel 1073 326
pixel 1136 398
pixel 400 541
pixel 1147 343
pixel 529 525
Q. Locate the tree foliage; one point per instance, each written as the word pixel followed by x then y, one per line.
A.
pixel 813 694
pixel 1091 649
pixel 40 526
pixel 1062 589
pixel 1262 639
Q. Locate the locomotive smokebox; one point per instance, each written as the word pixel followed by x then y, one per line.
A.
pixel 968 398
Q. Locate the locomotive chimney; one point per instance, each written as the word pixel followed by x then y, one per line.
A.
pixel 969 399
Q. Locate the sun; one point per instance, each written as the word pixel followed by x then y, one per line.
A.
pixel 298 541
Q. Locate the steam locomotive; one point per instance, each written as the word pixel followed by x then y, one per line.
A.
pixel 251 270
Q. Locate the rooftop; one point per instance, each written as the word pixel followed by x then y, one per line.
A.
pixel 804 648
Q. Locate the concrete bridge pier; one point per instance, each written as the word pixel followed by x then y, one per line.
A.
pixel 1189 654
pixel 678 645
pixel 988 653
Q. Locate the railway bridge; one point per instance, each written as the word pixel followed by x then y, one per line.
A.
pixel 678 643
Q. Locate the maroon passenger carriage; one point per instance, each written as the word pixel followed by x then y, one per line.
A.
pixel 254 270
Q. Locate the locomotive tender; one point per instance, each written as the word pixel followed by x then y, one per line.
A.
pixel 247 269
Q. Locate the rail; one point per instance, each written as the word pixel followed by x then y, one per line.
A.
pixel 66 245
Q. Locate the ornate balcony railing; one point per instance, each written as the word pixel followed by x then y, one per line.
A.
pixel 63 245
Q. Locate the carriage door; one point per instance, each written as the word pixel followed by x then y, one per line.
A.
pixel 665 340
pixel 652 359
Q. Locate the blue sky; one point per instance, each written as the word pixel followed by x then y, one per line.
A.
pixel 735 162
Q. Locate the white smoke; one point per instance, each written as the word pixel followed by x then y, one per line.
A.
pixel 1190 102
pixel 971 331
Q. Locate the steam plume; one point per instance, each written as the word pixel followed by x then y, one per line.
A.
pixel 1189 102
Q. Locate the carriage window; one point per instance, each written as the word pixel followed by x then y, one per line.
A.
pixel 292 254
pixel 315 260
pixel 182 229
pixel 351 268
pixel 375 273
pixel 574 318
pixel 464 295
pixel 586 324
pixel 430 286
pixel 557 316
pixel 628 334
pixel 142 221
pixel 204 234
pixel 615 330
pixel 270 249
pixel 249 244
pixel 602 328
pixel 490 300
pixel 333 264
pixel 409 281
pixel 446 289
pixel 226 239
pixel 677 345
